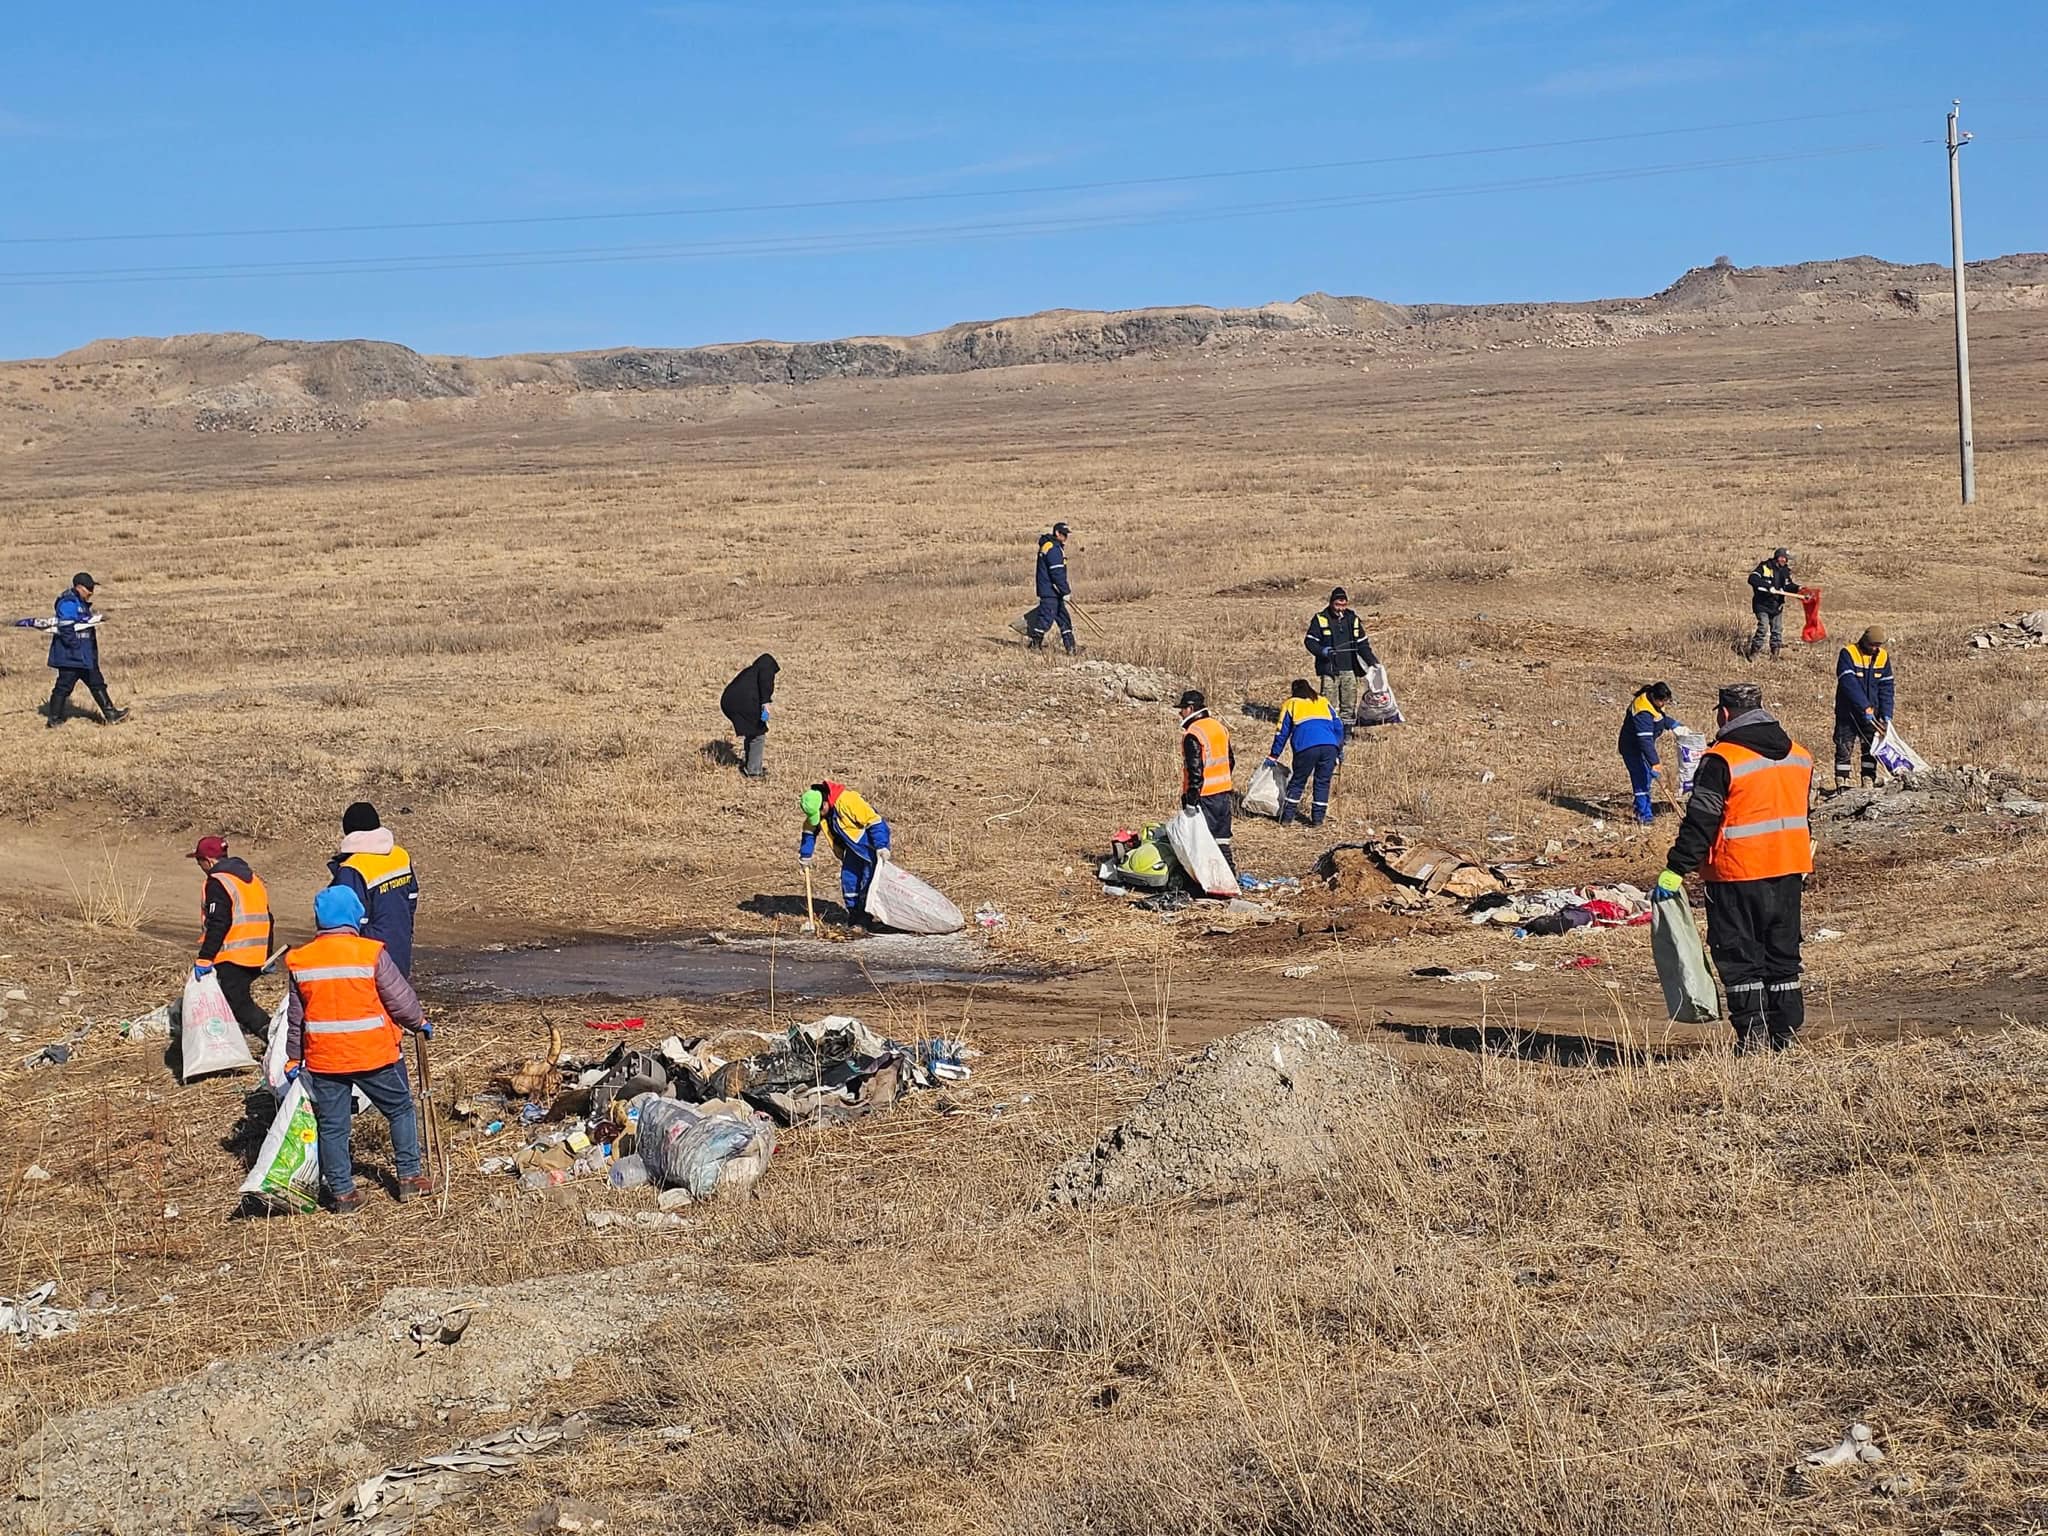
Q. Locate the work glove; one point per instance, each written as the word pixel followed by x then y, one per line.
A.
pixel 1656 774
pixel 291 1073
pixel 804 859
pixel 202 970
pixel 1669 888
pixel 1274 762
pixel 426 1029
pixel 881 856
pixel 764 711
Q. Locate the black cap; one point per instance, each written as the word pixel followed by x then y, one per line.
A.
pixel 360 817
pixel 1741 698
pixel 1193 699
pixel 1781 553
pixel 1339 595
pixel 1061 528
pixel 84 579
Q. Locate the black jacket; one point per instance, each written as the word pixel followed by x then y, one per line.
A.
pixel 1759 731
pixel 220 907
pixel 746 698
pixel 1768 585
pixel 1338 643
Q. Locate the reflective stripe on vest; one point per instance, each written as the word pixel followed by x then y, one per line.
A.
pixel 1214 741
pixel 346 1026
pixel 1763 830
pixel 247 941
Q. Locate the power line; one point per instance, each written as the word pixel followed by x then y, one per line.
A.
pixel 834 242
pixel 823 204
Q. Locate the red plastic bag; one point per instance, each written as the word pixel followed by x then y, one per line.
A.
pixel 1809 599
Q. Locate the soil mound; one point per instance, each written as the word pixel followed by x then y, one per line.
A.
pixel 300 1414
pixel 1258 1107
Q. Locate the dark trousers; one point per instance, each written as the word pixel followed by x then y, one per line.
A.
pixel 1771 624
pixel 1051 611
pixel 1319 763
pixel 1851 732
pixel 1753 935
pixel 754 759
pixel 1216 812
pixel 390 1090
pixel 69 678
pixel 236 982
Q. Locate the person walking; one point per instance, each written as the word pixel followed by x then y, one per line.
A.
pixel 1053 592
pixel 1864 699
pixel 1745 831
pixel 745 704
pixel 1336 638
pixel 1648 717
pixel 370 863
pixel 75 654
pixel 1309 722
pixel 857 833
pixel 235 933
pixel 1769 585
pixel 1206 763
pixel 348 1009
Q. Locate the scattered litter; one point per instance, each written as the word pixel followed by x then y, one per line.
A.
pixel 1823 935
pixel 1445 973
pixel 614 1024
pixel 989 915
pixel 49 1056
pixel 35 1173
pixel 395 1501
pixel 1561 909
pixel 157 1024
pixel 653 1221
pixel 1300 972
pixel 1272 883
pixel 30 1320
pixel 1167 901
pixel 1579 963
pixel 1859 1444
pixel 1524 965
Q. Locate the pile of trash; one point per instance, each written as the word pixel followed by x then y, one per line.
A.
pixel 1561 909
pixel 1405 876
pixel 30 1319
pixel 2025 633
pixel 697 1118
pixel 1180 855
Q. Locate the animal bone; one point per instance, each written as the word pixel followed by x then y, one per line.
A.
pixel 1858 1445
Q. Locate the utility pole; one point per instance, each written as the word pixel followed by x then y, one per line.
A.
pixel 1956 141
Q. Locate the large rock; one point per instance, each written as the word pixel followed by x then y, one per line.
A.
pixel 1259 1107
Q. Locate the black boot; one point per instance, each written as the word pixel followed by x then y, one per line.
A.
pixel 108 713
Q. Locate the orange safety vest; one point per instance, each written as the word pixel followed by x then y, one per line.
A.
pixel 248 936
pixel 347 1027
pixel 1763 830
pixel 1215 743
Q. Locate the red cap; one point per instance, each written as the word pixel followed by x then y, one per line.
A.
pixel 211 848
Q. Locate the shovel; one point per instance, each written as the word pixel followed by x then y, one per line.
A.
pixel 810 907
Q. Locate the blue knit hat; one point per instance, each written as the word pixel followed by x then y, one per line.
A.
pixel 338 907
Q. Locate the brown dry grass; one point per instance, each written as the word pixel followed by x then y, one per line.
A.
pixel 1536 1300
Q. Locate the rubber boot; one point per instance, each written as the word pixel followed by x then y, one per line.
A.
pixel 108 713
pixel 58 708
pixel 1286 812
pixel 1786 1007
pixel 1747 1012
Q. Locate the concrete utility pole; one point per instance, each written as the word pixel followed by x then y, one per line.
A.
pixel 1956 140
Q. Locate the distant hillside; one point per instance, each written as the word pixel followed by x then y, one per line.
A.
pixel 245 383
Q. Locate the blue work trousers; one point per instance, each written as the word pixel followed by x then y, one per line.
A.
pixel 333 1096
pixel 1052 610
pixel 1641 775
pixel 1318 763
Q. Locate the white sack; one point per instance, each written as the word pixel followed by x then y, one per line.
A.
pixel 898 899
pixel 1195 849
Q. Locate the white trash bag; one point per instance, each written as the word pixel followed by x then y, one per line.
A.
pixel 1196 851
pixel 276 1052
pixel 898 899
pixel 1262 796
pixel 1376 704
pixel 1692 746
pixel 1682 970
pixel 209 1038
pixel 1894 756
pixel 287 1172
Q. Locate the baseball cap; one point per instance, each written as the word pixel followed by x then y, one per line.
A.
pixel 210 848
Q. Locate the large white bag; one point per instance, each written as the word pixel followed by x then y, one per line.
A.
pixel 276 1053
pixel 898 899
pixel 1194 847
pixel 1689 995
pixel 1894 755
pixel 287 1172
pixel 1692 746
pixel 1262 796
pixel 209 1038
pixel 1376 705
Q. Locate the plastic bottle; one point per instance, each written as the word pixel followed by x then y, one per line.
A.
pixel 628 1173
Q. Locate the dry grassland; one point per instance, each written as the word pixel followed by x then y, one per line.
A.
pixel 1532 1299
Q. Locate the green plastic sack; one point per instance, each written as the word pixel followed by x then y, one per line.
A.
pixel 287 1172
pixel 1682 969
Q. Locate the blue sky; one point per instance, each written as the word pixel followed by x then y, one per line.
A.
pixel 985 159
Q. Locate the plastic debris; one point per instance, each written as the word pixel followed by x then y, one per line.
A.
pixel 157 1024
pixel 1300 972
pixel 989 915
pixel 1857 1445
pixel 30 1319
pixel 35 1173
pixel 1822 935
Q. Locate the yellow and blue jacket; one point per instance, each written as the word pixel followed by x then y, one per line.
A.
pixel 1308 723
pixel 1641 727
pixel 1863 683
pixel 856 828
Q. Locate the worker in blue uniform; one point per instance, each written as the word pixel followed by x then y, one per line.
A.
pixel 1053 591
pixel 1649 716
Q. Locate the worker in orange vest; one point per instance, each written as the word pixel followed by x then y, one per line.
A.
pixel 1206 761
pixel 234 939
pixel 348 1005
pixel 1745 830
